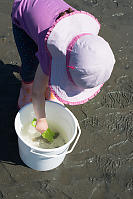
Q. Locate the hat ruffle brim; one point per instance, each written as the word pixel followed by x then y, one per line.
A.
pixel 59 82
pixel 64 89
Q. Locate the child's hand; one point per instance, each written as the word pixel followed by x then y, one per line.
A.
pixel 41 125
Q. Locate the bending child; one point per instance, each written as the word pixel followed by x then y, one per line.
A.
pixel 63 57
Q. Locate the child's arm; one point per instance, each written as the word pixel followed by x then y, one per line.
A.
pixel 39 87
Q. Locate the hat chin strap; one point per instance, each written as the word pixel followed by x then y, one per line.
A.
pixel 69 75
pixel 71 79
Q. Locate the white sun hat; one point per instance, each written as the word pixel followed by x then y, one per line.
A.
pixel 81 61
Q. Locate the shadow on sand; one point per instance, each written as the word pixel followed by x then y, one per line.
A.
pixel 9 92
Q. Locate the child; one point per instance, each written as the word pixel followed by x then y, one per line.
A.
pixel 60 50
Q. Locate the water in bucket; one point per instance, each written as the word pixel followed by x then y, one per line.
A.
pixel 32 136
pixel 44 159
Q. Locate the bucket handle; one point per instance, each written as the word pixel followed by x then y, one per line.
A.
pixel 69 151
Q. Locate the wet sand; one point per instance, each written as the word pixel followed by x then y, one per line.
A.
pixel 101 165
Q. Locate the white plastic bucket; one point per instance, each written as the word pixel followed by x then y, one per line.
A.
pixel 47 159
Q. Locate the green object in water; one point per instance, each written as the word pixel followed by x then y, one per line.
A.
pixel 34 122
pixel 48 134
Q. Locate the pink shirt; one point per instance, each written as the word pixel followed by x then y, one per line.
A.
pixel 35 17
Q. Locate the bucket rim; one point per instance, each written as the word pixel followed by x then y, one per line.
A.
pixel 42 149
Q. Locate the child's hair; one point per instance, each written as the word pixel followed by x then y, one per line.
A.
pixel 69 10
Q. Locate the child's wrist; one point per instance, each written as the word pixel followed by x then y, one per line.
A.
pixel 41 119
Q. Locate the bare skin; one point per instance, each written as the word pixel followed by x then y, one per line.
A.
pixel 39 87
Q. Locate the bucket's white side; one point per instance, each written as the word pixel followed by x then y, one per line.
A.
pixel 45 159
pixel 37 161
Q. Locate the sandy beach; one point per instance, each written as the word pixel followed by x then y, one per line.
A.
pixel 101 165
